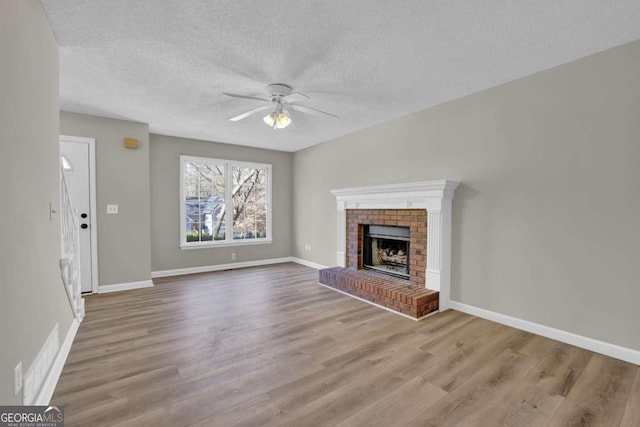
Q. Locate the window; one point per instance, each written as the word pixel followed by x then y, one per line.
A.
pixel 224 202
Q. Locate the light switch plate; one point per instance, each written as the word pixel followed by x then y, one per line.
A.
pixel 112 209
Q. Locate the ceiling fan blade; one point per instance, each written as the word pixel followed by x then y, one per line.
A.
pixel 310 110
pixel 234 95
pixel 249 113
pixel 296 96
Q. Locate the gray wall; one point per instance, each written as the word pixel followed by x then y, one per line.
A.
pixel 122 178
pixel 32 296
pixel 546 224
pixel 165 219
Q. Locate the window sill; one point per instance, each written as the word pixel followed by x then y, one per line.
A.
pixel 222 244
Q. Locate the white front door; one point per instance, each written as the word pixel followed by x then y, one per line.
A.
pixel 76 156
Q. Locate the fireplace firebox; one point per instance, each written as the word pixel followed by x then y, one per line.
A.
pixel 386 250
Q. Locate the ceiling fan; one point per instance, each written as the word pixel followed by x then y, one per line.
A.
pixel 280 96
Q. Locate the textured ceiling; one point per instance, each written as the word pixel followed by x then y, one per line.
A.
pixel 167 63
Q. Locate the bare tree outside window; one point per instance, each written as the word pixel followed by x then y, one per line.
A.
pixel 249 203
pixel 204 187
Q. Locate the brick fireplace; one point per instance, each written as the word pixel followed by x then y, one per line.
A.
pixel 415 219
pixel 424 208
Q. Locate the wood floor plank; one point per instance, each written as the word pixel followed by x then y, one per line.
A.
pixel 268 346
pixel 469 404
pixel 127 380
pixel 208 404
pixel 96 414
pixel 251 413
pixel 398 407
pixel 600 395
pixel 537 397
pixel 335 407
pixel 631 417
pixel 391 334
pixel 314 386
pixel 470 354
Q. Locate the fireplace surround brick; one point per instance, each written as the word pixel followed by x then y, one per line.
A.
pixel 415 219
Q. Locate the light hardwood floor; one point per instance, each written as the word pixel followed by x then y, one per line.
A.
pixel 268 346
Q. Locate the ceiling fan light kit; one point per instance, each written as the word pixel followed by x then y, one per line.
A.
pixel 278 120
pixel 280 95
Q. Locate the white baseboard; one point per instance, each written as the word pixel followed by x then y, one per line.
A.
pixel 48 387
pixel 608 349
pixel 103 289
pixel 308 263
pixel 219 267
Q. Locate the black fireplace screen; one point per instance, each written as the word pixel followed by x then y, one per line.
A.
pixel 386 249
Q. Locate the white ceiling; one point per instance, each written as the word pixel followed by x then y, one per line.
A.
pixel 167 63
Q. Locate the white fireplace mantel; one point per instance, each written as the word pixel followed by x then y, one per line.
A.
pixel 434 196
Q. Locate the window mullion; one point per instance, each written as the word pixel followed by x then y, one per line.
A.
pixel 183 200
pixel 229 203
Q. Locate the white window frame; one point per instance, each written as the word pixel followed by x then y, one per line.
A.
pixel 229 241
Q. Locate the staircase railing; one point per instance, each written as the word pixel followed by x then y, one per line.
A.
pixel 70 258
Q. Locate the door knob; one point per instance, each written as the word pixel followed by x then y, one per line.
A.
pixel 84 226
pixel 84 215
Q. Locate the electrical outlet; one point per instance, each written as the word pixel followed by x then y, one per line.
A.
pixel 307 247
pixel 233 256
pixel 112 209
pixel 17 379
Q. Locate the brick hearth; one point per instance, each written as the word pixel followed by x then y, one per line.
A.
pixel 389 292
pixel 409 297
